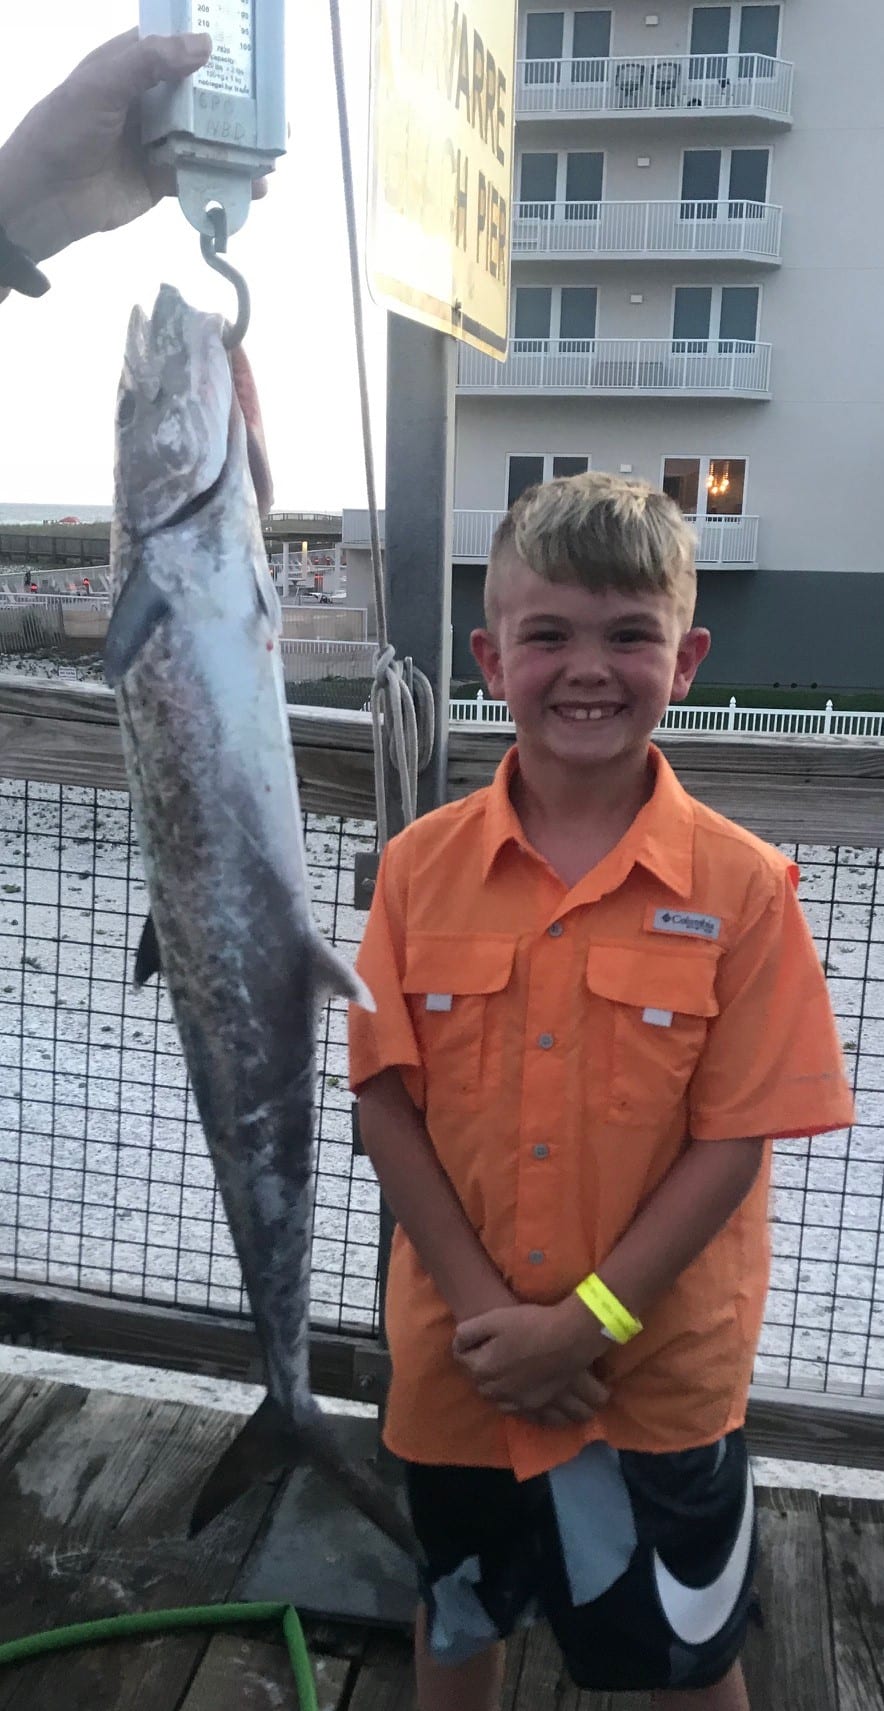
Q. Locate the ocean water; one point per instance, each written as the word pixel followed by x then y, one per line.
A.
pixel 43 512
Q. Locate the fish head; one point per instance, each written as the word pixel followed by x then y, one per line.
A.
pixel 173 412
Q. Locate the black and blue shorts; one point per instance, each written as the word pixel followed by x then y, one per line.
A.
pixel 642 1564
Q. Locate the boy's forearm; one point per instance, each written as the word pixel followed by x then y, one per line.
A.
pixel 423 1201
pixel 693 1202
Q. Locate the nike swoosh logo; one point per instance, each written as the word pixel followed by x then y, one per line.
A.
pixel 697 1613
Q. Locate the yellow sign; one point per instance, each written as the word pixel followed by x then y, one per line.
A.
pixel 442 164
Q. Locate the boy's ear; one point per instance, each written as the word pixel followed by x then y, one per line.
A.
pixel 692 650
pixel 486 652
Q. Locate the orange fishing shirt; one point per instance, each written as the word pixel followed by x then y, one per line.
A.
pixel 564 1046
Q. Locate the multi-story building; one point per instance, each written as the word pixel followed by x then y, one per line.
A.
pixel 696 299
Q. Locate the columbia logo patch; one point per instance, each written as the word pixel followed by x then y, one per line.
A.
pixel 689 926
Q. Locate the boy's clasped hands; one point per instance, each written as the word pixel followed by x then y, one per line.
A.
pixel 536 1361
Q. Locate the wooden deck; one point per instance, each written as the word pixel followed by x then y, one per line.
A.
pixel 94 1489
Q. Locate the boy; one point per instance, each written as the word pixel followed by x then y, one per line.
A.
pixel 597 1001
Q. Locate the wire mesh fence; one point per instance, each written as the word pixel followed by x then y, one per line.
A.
pixel 105 1182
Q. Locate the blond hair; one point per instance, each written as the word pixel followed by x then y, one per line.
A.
pixel 599 531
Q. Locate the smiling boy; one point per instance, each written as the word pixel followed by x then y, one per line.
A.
pixel 597 1002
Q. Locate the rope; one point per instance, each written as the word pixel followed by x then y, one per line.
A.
pixel 173 1621
pixel 402 697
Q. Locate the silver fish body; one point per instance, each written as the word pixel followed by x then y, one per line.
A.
pixel 193 653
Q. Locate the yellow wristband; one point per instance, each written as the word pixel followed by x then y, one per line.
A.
pixel 615 1319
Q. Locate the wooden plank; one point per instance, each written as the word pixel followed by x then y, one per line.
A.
pixel 185 1340
pixel 355 1367
pixel 789 1661
pixel 822 1432
pixel 854 1537
pixel 386 1680
pixel 143 1560
pixel 250 1672
pixel 786 789
pixel 64 1494
pixel 544 1680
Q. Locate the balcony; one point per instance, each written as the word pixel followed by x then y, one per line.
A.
pixel 723 543
pixel 687 86
pixel 665 368
pixel 630 231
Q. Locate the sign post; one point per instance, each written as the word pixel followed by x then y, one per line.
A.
pixel 438 258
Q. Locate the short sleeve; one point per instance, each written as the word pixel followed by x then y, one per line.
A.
pixel 773 1064
pixel 384 1039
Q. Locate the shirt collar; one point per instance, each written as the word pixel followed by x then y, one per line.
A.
pixel 661 836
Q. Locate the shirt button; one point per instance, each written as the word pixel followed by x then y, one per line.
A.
pixel 541 1151
pixel 556 930
pixel 545 1041
pixel 537 1256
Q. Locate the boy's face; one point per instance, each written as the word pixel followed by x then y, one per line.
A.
pixel 587 674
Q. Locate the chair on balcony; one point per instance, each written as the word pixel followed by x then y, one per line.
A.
pixel 667 83
pixel 630 84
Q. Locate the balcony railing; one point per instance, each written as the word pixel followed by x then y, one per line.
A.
pixel 625 230
pixel 724 542
pixel 690 85
pixel 665 367
pixel 721 541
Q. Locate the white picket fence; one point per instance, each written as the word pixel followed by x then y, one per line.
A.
pixel 710 721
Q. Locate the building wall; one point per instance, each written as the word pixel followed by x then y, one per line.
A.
pixel 814 450
pixel 769 628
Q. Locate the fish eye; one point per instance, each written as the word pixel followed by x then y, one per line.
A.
pixel 126 410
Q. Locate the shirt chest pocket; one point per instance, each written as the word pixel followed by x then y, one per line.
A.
pixel 661 1003
pixel 454 986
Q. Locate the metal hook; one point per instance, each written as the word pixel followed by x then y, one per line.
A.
pixel 212 244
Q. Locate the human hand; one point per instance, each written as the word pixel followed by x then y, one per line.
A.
pixel 527 1358
pixel 75 164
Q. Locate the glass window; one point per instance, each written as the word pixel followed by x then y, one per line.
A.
pixel 748 178
pixel 725 487
pixel 592 43
pixel 533 308
pixel 692 315
pixel 570 466
pixel 700 182
pixel 592 34
pixel 711 30
pixel 522 472
pixel 537 178
pixel 681 480
pixel 578 316
pixel 739 314
pixel 544 34
pixel 583 185
pixel 760 30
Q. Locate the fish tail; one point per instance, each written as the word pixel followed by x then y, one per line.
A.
pixel 271 1441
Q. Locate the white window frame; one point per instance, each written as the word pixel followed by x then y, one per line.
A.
pixel 704 459
pixel 547 465
pixel 561 169
pixel 716 287
pixel 567 27
pixel 725 151
pixel 736 12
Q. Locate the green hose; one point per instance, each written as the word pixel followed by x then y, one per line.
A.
pixel 167 1621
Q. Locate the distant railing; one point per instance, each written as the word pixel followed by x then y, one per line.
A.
pixel 692 85
pixel 687 367
pixel 721 541
pixel 710 721
pixel 617 229
pixel 86 602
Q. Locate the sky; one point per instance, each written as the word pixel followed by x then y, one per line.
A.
pixel 60 356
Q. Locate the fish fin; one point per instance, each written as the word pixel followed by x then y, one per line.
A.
pixel 336 978
pixel 147 957
pixel 139 608
pixel 270 1442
